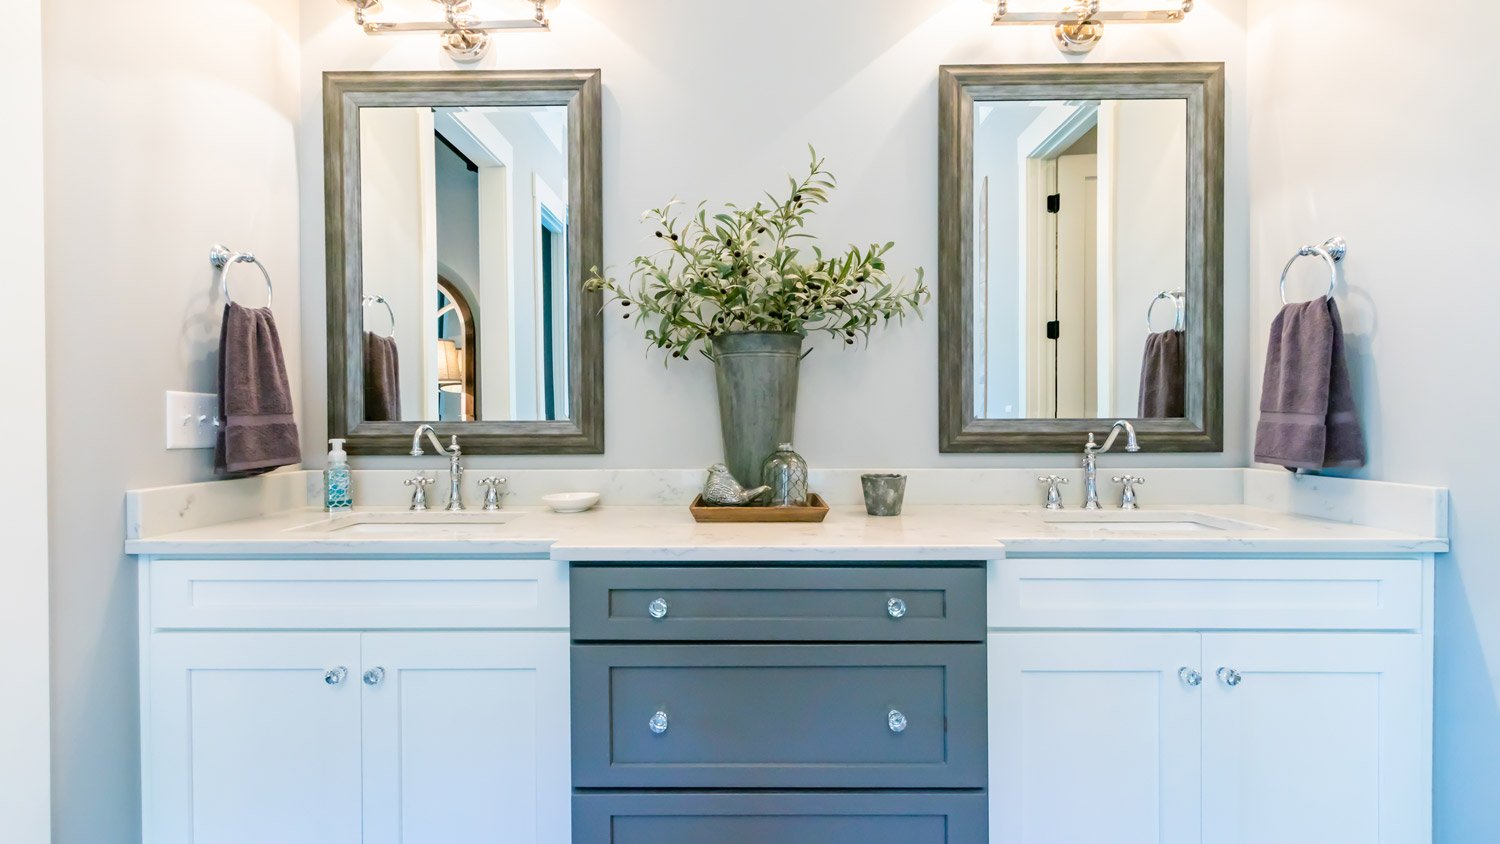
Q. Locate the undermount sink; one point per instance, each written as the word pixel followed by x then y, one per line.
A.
pixel 1141 521
pixel 428 523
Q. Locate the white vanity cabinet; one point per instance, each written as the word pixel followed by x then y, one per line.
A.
pixel 352 700
pixel 1223 701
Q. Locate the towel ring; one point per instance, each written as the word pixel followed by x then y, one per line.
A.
pixel 380 300
pixel 224 260
pixel 1178 300
pixel 1332 251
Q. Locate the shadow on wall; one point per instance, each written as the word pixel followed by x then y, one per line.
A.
pixel 1467 738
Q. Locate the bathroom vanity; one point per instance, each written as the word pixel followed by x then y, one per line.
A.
pixel 961 674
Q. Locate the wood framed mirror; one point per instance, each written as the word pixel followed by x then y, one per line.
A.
pixel 1081 255
pixel 463 214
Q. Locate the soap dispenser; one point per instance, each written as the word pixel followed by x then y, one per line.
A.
pixel 338 486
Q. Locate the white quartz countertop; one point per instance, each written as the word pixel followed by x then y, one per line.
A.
pixel 923 533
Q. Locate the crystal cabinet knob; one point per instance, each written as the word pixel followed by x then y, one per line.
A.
pixel 895 608
pixel 658 723
pixel 335 676
pixel 1230 677
pixel 896 721
pixel 1189 677
pixel 657 608
pixel 375 676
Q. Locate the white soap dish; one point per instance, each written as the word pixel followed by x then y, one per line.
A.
pixel 571 502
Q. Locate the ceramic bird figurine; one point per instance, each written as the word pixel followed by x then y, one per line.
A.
pixel 722 490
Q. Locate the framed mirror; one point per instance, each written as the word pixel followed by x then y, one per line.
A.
pixel 1082 255
pixel 463 213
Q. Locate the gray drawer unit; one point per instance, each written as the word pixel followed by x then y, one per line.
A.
pixel 758 604
pixel 780 818
pixel 779 716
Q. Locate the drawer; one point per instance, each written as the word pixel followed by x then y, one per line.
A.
pixel 701 604
pixel 1206 594
pixel 767 716
pixel 327 594
pixel 775 818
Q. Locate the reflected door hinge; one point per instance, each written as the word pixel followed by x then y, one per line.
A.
pixel 1054 330
pixel 1054 203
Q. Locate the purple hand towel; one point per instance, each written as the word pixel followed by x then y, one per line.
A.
pixel 1308 419
pixel 1164 377
pixel 382 379
pixel 257 432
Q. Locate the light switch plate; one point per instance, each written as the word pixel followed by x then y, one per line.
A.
pixel 192 420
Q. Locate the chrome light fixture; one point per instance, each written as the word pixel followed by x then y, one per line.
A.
pixel 1080 24
pixel 464 36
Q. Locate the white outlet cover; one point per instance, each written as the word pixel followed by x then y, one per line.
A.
pixel 192 420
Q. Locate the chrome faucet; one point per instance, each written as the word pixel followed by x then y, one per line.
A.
pixel 1091 452
pixel 455 465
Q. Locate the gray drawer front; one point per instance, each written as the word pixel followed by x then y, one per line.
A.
pixel 774 818
pixel 722 604
pixel 769 716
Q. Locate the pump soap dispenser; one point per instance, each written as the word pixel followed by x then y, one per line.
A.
pixel 338 486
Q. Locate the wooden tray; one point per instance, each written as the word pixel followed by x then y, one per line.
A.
pixel 815 511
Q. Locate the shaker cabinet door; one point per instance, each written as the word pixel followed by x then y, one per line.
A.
pixel 466 738
pixel 1316 738
pixel 253 738
pixel 1094 737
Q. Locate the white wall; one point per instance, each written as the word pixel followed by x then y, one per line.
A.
pixel 1370 121
pixel 860 82
pixel 170 125
pixel 24 718
pixel 396 192
pixel 1150 211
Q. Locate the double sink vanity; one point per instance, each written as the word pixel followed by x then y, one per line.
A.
pixel 1255 667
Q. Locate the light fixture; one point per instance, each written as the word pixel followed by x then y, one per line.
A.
pixel 464 36
pixel 1080 24
pixel 450 367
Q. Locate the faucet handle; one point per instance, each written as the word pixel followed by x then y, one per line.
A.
pixel 1054 493
pixel 419 491
pixel 492 492
pixel 1127 495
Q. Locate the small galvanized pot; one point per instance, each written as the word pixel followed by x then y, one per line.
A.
pixel 884 494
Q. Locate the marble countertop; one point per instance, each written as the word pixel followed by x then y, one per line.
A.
pixel 924 533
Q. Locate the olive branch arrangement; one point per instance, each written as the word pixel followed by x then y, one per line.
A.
pixel 741 270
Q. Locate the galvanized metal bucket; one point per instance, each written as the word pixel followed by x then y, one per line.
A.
pixel 757 378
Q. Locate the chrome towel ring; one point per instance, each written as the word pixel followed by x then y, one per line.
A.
pixel 224 260
pixel 1332 251
pixel 1179 302
pixel 380 300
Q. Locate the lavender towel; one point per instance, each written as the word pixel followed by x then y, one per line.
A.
pixel 257 432
pixel 1308 419
pixel 382 379
pixel 1164 377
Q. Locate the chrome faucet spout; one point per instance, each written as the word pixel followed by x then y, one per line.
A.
pixel 455 463
pixel 1091 452
pixel 431 433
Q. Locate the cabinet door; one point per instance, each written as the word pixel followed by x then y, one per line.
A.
pixel 252 738
pixel 1322 738
pixel 466 738
pixel 1094 738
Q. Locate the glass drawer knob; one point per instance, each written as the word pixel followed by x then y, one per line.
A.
pixel 375 676
pixel 658 723
pixel 896 721
pixel 1189 677
pixel 657 608
pixel 1230 677
pixel 895 607
pixel 335 676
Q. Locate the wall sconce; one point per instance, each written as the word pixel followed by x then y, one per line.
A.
pixel 1080 25
pixel 465 37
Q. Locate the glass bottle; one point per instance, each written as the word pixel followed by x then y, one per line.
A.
pixel 785 472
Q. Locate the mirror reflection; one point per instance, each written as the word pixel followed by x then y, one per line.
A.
pixel 465 263
pixel 1080 259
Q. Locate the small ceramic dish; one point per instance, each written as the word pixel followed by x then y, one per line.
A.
pixel 571 502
